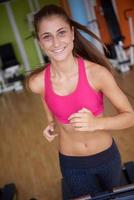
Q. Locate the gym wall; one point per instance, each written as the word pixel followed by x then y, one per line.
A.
pixel 20 10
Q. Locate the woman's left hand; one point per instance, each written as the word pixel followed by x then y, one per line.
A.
pixel 83 120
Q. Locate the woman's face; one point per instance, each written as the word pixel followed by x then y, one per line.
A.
pixel 56 38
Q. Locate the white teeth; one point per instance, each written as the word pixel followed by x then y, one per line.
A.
pixel 58 50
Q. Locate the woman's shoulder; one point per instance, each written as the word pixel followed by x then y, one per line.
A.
pixel 96 73
pixel 36 82
pixel 95 69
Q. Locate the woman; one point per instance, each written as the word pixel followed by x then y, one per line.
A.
pixel 72 86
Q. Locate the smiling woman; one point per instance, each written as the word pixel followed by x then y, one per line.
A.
pixel 72 87
pixel 58 42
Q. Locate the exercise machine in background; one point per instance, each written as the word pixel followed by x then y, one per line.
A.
pixel 10 72
pixel 8 192
pixel 128 17
pixel 121 58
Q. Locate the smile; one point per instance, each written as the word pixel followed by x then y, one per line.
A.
pixel 58 50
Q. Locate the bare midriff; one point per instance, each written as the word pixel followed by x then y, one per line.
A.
pixel 81 143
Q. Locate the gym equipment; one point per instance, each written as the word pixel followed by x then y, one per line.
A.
pixel 8 6
pixel 117 38
pixel 10 76
pixel 8 57
pixel 128 169
pixel 131 28
pixel 124 192
pixel 8 192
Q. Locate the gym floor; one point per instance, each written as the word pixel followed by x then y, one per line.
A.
pixel 31 162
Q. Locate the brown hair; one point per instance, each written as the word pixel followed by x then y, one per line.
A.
pixel 82 47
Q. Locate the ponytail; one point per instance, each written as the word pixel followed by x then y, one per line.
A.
pixel 85 48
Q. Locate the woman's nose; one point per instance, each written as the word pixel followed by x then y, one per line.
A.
pixel 56 41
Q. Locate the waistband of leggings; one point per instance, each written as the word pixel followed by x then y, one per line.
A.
pixel 95 160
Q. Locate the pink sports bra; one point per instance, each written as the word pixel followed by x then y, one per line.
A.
pixel 84 96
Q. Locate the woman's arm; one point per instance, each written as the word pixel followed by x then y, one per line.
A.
pixel 49 131
pixel 84 119
pixel 49 116
pixel 125 116
pixel 36 85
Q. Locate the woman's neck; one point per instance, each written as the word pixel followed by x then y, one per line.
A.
pixel 64 68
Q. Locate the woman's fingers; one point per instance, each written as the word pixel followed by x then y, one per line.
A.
pixel 83 120
pixel 80 114
pixel 49 133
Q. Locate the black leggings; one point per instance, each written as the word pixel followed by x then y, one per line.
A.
pixel 93 174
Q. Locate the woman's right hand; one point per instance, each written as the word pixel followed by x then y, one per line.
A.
pixel 48 132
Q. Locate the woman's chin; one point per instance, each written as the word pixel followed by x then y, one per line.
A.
pixel 59 57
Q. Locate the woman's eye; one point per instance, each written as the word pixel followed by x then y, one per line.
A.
pixel 62 33
pixel 47 37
